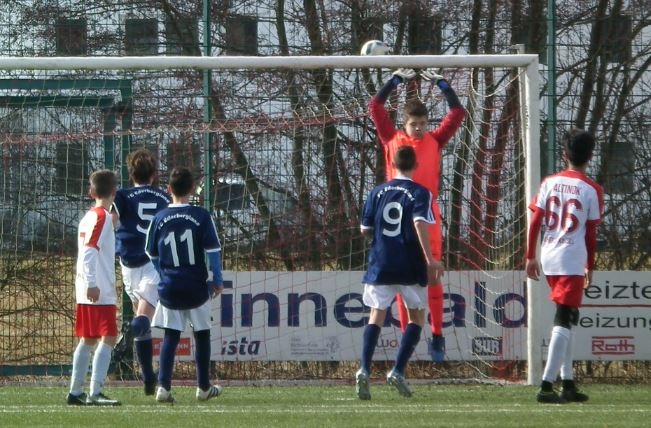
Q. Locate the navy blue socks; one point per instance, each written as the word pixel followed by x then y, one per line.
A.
pixel 410 339
pixel 371 335
pixel 202 358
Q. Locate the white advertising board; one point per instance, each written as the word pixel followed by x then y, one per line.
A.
pixel 319 316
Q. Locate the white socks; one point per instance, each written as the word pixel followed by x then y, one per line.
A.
pixel 557 353
pixel 567 370
pixel 101 362
pixel 80 362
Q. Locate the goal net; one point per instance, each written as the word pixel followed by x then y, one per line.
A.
pixel 286 154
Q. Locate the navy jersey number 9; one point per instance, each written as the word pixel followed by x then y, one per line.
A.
pixel 392 217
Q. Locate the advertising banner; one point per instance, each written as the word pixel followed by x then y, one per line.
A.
pixel 319 316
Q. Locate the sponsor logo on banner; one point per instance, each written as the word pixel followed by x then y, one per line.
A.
pixel 506 309
pixel 388 343
pixel 613 345
pixel 183 350
pixel 305 347
pixel 487 346
pixel 242 346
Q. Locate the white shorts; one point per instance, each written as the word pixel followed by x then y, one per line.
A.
pixel 381 296
pixel 141 283
pixel 176 319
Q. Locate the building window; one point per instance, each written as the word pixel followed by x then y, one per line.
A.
pixel 71 167
pixel 241 35
pixel 182 36
pixel 616 39
pixel 141 36
pixel 71 37
pixel 621 167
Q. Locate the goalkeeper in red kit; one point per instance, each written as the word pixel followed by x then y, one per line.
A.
pixel 428 145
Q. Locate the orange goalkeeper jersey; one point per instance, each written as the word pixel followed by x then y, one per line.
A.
pixel 428 149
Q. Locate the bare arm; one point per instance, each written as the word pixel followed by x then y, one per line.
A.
pixel 532 266
pixel 591 246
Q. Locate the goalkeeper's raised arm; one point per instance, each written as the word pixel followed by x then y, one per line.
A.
pixel 383 123
pixel 451 122
pixel 379 115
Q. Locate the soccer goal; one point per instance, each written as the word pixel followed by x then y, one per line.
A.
pixel 286 154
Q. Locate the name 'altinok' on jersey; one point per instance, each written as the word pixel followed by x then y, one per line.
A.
pixel 396 257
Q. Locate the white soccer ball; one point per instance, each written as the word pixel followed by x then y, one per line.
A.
pixel 375 47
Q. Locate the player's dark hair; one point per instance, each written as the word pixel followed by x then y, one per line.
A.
pixel 405 159
pixel 181 181
pixel 141 165
pixel 578 146
pixel 415 107
pixel 103 183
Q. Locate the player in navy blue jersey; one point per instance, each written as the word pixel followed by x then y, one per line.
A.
pixel 135 207
pixel 397 215
pixel 178 240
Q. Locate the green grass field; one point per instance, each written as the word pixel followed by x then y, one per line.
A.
pixel 331 406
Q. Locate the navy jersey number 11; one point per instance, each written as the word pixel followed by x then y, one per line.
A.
pixel 178 237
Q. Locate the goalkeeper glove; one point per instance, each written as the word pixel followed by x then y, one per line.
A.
pixel 435 77
pixel 404 74
pixel 430 75
pixel 399 76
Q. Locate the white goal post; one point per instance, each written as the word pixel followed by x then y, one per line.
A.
pixel 529 115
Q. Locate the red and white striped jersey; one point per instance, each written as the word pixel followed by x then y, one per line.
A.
pixel 96 257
